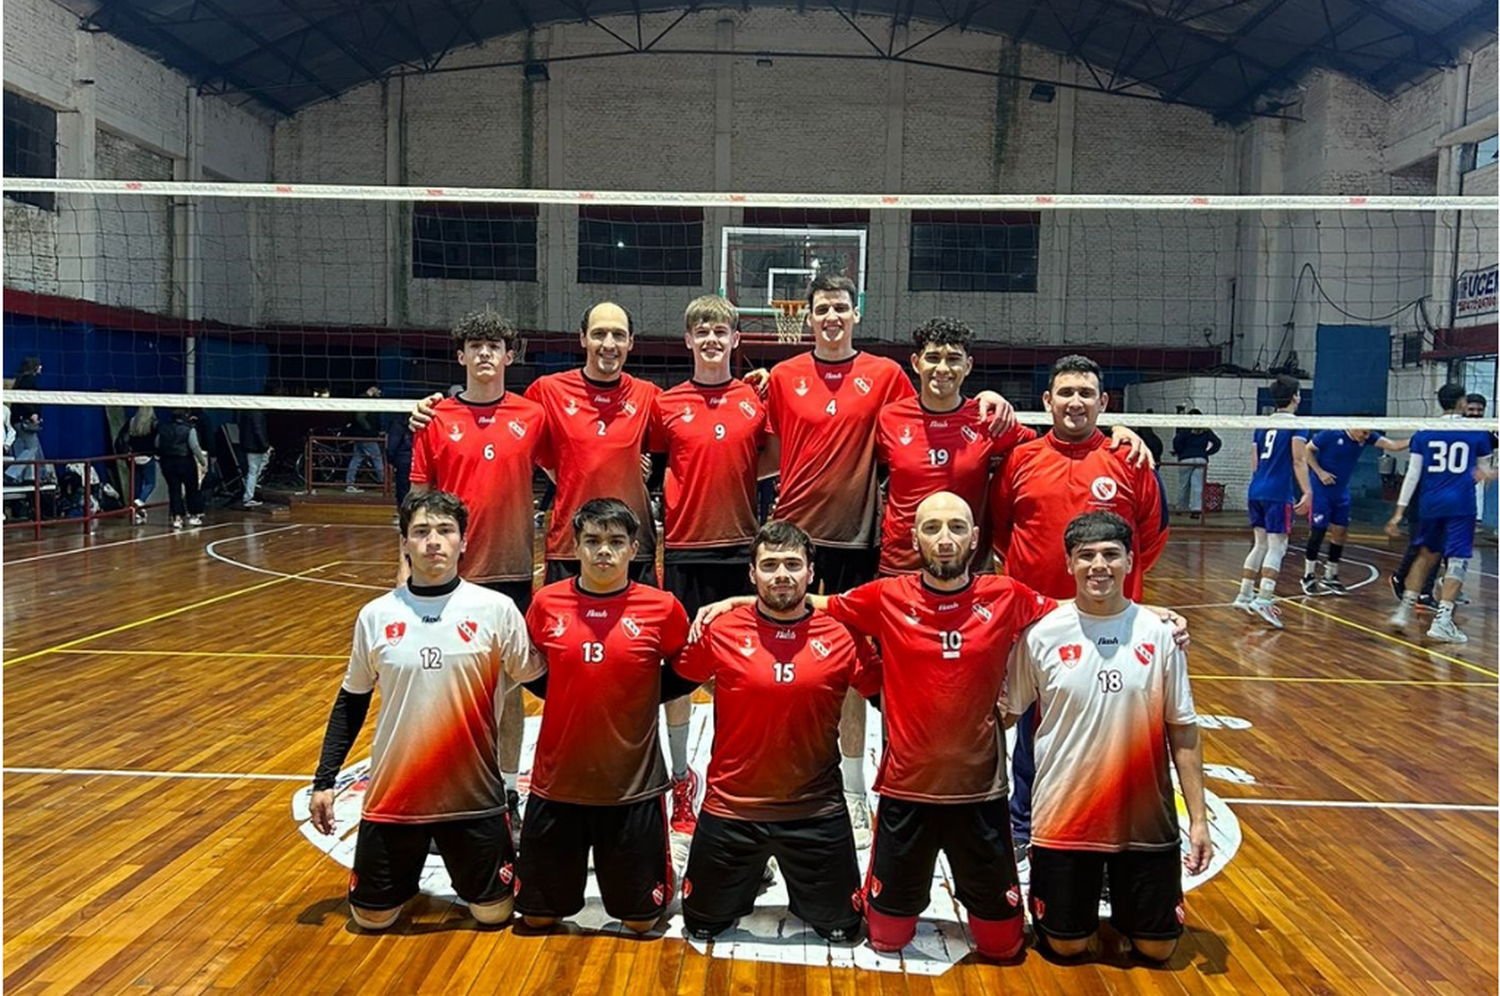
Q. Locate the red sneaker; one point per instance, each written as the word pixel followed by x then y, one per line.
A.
pixel 684 795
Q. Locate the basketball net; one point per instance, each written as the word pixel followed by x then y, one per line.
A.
pixel 789 320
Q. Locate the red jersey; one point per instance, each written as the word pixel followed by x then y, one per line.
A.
pixel 485 454
pixel 712 437
pixel 598 433
pixel 825 415
pixel 925 452
pixel 598 745
pixel 940 674
pixel 779 688
pixel 1046 483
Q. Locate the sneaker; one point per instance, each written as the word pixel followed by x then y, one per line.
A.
pixel 139 503
pixel 354 490
pixel 194 521
pixel 1335 587
pixel 251 503
pixel 1444 630
pixel 1397 588
pixel 1401 619
pixel 1242 601
pixel 176 522
pixel 1311 585
pixel 684 794
pixel 1267 610
pixel 139 515
pixel 1460 599
pixel 859 819
pixel 1427 603
pixel 513 807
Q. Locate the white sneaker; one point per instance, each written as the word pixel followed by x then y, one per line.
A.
pixel 1267 610
pixel 859 819
pixel 176 522
pixel 1402 618
pixel 1444 630
pixel 195 520
pixel 1311 585
pixel 351 489
pixel 1242 601
pixel 250 503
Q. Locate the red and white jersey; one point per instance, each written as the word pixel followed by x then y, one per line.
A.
pixel 485 454
pixel 940 674
pixel 1108 686
pixel 778 690
pixel 598 433
pixel 598 745
pixel 1044 484
pixel 712 437
pixel 443 664
pixel 825 415
pixel 925 452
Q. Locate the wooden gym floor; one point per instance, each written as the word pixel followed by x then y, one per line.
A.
pixel 165 695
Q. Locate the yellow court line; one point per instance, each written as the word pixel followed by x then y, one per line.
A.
pixel 1397 640
pixel 168 614
pixel 199 653
pixel 1343 681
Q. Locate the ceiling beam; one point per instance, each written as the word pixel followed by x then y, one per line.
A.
pixel 1227 45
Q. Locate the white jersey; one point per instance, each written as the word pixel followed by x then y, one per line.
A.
pixel 444 664
pixel 1108 687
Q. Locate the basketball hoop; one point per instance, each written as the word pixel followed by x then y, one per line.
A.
pixel 789 320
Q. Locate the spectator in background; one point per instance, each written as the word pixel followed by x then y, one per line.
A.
pixel 1193 446
pixel 398 454
pixel 26 419
pixel 365 424
pixel 140 443
pixel 182 462
pixel 1153 441
pixel 255 443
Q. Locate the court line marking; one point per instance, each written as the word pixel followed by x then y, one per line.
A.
pixel 202 653
pixel 1363 804
pixel 1398 556
pixel 163 615
pixel 138 773
pixel 1374 576
pixel 1344 681
pixel 1397 640
pixel 212 550
pixel 106 546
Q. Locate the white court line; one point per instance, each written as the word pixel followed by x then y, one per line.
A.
pixel 1374 576
pixel 105 546
pixel 1361 804
pixel 137 773
pixel 1398 556
pixel 212 551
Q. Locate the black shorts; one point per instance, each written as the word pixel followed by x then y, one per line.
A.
pixel 974 835
pixel 388 860
pixel 837 569
pixel 700 584
pixel 1145 892
pixel 641 571
pixel 517 591
pixel 817 861
pixel 632 862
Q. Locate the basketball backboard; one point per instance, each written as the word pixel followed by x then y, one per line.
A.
pixel 761 266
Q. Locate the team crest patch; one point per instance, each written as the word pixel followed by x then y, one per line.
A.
pixel 1070 654
pixel 394 632
pixel 506 874
pixel 861 385
pixel 516 429
pixel 747 409
pixel 353 881
pixel 1013 895
pixel 455 433
pixel 659 894
pixel 1038 908
pixel 1144 652
pixel 630 626
pixel 820 648
pixel 874 887
pixel 983 612
pixel 467 630
pixel 687 887
pixel 1104 488
pixel 559 625
pixel 856 900
pixel 570 406
pixel 1181 912
pixel 687 413
pixel 801 387
pixel 969 434
pixel 748 647
pixel 629 407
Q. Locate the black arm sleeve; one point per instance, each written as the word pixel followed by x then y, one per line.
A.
pixel 536 686
pixel 674 685
pixel 344 723
pixel 658 472
pixel 874 700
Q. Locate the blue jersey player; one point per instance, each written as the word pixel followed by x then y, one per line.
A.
pixel 1280 464
pixel 1331 458
pixel 1445 464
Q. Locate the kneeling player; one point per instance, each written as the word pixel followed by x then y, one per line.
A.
pixel 445 653
pixel 1114 698
pixel 781 672
pixel 598 780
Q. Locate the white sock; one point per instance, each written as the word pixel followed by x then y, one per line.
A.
pixel 1330 571
pixel 1247 587
pixel 511 779
pixel 677 750
pixel 1268 588
pixel 854 775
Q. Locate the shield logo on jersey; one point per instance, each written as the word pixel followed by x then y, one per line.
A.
pixel 629 408
pixel 455 433
pixel 911 615
pixel 1070 654
pixel 1038 908
pixel 875 887
pixel 687 413
pixel 747 409
pixel 861 385
pixel 353 881
pixel 630 626
pixel 1104 488
pixel 983 612
pixel 801 387
pixel 820 648
pixel 969 434
pixel 394 632
pixel 1144 652
pixel 467 630
pixel 906 437
pixel 516 429
pixel 570 406
pixel 659 894
pixel 748 647
pixel 687 887
pixel 1013 895
pixel 559 625
pixel 1181 912
pixel 506 874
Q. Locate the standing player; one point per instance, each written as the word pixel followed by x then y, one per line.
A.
pixel 1444 465
pixel 781 672
pixel 713 430
pixel 1115 699
pixel 1280 462
pixel 597 779
pixel 443 652
pixel 1040 488
pixel 1331 458
pixel 482 445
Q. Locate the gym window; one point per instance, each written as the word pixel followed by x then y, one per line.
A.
pixel 653 246
pixel 474 242
pixel 30 145
pixel 974 251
